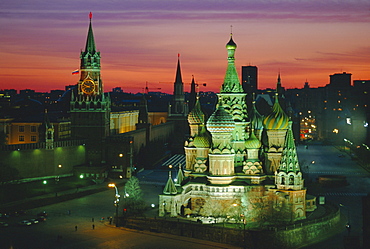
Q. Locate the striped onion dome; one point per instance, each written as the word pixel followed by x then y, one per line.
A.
pixel 220 121
pixel 196 116
pixel 277 119
pixel 256 118
pixel 203 140
pixel 253 142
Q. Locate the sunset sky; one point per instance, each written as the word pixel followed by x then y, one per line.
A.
pixel 41 40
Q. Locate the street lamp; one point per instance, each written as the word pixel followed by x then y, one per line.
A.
pixel 116 201
pixel 348 218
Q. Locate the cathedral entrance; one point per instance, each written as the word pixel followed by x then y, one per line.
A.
pixel 192 206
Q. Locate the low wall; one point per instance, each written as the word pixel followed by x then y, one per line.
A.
pixel 292 236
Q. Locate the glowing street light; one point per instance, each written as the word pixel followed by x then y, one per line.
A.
pixel 116 201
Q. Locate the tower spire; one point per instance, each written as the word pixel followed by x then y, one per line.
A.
pixel 193 93
pixel 90 42
pixel 178 78
pixel 178 91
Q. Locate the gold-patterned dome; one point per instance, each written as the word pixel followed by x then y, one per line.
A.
pixel 196 116
pixel 220 121
pixel 203 140
pixel 277 119
pixel 252 142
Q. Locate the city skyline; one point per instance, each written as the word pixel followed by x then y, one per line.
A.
pixel 139 42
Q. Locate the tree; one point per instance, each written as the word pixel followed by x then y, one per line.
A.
pixel 133 201
pixel 132 189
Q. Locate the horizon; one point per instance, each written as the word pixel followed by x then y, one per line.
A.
pixel 139 42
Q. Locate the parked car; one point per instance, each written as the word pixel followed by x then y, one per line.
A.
pixel 3 224
pixel 25 223
pixel 33 221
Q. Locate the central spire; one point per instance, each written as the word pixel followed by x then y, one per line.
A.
pixel 231 81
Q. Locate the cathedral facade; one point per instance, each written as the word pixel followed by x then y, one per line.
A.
pixel 240 165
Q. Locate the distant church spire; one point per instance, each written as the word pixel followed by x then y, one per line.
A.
pixel 193 94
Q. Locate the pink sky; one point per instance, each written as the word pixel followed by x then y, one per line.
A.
pixel 139 41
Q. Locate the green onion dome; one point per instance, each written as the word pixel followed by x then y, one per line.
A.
pixel 256 118
pixel 203 140
pixel 196 116
pixel 220 121
pixel 231 44
pixel 252 142
pixel 277 119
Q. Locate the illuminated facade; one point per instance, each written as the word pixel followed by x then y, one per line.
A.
pixel 239 164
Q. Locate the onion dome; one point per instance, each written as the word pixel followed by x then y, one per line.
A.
pixel 256 118
pixel 196 116
pixel 203 140
pixel 277 119
pixel 253 142
pixel 220 121
pixel 231 44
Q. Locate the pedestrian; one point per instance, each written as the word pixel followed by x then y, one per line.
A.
pixel 92 219
pixel 76 228
pixel 93 226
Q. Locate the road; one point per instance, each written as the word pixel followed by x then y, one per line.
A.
pixel 327 160
pixel 82 212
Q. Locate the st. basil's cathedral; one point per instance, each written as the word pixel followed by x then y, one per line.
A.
pixel 240 165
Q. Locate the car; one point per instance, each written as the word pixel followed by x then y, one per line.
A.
pixel 33 221
pixel 25 223
pixel 3 224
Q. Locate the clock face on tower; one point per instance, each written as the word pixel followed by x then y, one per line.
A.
pixel 88 86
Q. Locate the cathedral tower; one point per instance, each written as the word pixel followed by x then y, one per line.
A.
pixel 233 99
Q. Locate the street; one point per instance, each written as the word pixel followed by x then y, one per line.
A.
pixel 320 160
pixel 59 231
